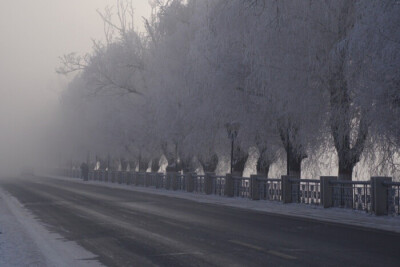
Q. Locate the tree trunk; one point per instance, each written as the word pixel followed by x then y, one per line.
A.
pixel 124 164
pixel 185 165
pixel 239 161
pixel 345 173
pixel 172 158
pixel 262 168
pixel 209 164
pixel 263 164
pixel 295 164
pixel 155 164
pixel 342 122
pixel 143 164
pixel 294 152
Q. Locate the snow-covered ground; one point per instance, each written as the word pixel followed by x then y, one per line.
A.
pixel 332 215
pixel 24 241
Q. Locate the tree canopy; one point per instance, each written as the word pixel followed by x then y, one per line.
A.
pixel 308 82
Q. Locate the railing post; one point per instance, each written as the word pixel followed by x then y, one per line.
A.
pixel 158 180
pixel 147 179
pixel 287 189
pixel 152 177
pixel 155 179
pixel 168 181
pixel 255 188
pixel 136 178
pixel 208 183
pixel 379 201
pixel 326 190
pixel 174 181
pixel 229 187
pixel 119 177
pixel 112 173
pixel 189 182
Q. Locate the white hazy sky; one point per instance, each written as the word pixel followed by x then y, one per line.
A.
pixel 33 34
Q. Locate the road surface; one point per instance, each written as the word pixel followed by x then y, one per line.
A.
pixel 127 228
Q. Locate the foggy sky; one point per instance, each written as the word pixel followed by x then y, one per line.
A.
pixel 33 34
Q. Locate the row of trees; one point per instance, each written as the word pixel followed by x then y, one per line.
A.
pixel 315 80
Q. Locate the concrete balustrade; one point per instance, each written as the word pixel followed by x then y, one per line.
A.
pixel 168 180
pixel 287 187
pixel 208 183
pixel 327 191
pixel 229 186
pixel 379 193
pixel 376 193
pixel 174 181
pixel 147 179
pixel 189 182
pixel 254 188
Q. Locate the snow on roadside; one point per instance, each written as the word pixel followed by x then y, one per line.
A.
pixel 26 242
pixel 332 215
pixel 16 248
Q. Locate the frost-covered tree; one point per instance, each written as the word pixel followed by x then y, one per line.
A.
pixel 300 77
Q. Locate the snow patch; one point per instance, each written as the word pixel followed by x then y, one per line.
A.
pixel 26 242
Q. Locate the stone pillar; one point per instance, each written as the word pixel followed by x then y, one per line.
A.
pixel 255 188
pixel 128 177
pixel 119 177
pixel 168 180
pixel 287 188
pixel 147 178
pixel 158 179
pixel 208 183
pixel 125 176
pixel 229 187
pixel 174 181
pixel 379 195
pixel 142 178
pixel 112 176
pixel 163 180
pixel 326 190
pixel 189 182
pixel 136 178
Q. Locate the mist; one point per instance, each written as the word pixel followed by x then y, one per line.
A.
pixel 34 34
pixel 124 83
pixel 199 132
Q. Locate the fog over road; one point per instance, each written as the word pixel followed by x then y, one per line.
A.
pixel 126 228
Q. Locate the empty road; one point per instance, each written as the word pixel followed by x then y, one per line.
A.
pixel 127 228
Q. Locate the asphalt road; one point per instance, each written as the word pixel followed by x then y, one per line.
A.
pixel 126 228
